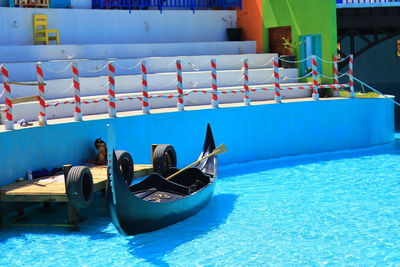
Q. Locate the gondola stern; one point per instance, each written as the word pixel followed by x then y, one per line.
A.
pixel 209 144
pixel 209 165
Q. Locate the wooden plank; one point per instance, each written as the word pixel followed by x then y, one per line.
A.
pixel 143 170
pixel 100 172
pixel 53 190
pixel 25 99
pixel 35 198
pixel 99 185
pixel 39 188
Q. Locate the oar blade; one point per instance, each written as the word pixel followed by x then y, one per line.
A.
pixel 220 149
pixel 217 151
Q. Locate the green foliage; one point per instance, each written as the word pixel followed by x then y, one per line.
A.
pixel 290 46
pixel 344 93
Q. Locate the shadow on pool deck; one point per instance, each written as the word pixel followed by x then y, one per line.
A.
pixel 95 215
pixel 153 246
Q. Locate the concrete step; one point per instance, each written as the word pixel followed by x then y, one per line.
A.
pixel 112 26
pixel 94 86
pixel 44 53
pixel 26 71
pixel 29 111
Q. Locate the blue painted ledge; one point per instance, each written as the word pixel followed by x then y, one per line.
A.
pixel 250 133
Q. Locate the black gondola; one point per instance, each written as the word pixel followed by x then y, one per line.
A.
pixel 156 202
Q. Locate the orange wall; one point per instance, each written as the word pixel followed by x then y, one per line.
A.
pixel 250 20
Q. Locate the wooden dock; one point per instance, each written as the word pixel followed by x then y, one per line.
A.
pixel 52 189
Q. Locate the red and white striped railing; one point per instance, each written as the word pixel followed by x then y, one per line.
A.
pixel 9 122
pixel 277 87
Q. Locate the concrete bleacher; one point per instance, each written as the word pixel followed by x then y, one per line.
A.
pixel 56 57
pixel 52 53
pixel 160 55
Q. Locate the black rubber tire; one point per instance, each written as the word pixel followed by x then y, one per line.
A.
pixel 126 162
pixel 164 157
pixel 80 187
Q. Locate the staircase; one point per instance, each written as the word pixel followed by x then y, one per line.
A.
pixel 162 79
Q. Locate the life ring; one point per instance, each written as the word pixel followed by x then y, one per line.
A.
pixel 126 164
pixel 164 157
pixel 79 187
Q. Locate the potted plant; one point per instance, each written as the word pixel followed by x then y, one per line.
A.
pixel 234 33
pixel 291 56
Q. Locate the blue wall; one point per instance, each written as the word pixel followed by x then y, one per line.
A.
pixel 250 133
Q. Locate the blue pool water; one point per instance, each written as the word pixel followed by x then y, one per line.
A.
pixel 339 208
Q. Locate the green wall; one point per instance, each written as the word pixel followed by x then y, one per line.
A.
pixel 306 17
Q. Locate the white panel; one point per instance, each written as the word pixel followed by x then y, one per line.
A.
pixel 33 53
pixel 83 4
pixel 80 26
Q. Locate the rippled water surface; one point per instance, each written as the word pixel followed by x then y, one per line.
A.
pixel 339 208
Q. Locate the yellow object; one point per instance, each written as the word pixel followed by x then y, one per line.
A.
pixel 41 33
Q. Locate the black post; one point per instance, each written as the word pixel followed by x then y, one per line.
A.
pixel 20 210
pixel 73 217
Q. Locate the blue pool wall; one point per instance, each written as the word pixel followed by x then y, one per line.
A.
pixel 250 133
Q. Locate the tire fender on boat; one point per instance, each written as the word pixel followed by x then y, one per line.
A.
pixel 79 187
pixel 125 161
pixel 164 157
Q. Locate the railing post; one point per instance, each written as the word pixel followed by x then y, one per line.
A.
pixel 277 86
pixel 42 100
pixel 315 94
pixel 77 93
pixel 9 123
pixel 335 75
pixel 214 101
pixel 179 85
pixel 351 80
pixel 246 81
pixel 112 112
pixel 145 100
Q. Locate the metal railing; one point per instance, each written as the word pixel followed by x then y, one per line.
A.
pixel 160 4
pixel 145 97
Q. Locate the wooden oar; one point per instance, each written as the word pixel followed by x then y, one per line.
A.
pixel 217 151
pixel 25 99
pixel 26 84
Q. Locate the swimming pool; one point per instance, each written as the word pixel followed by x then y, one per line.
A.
pixel 339 208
